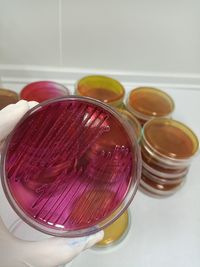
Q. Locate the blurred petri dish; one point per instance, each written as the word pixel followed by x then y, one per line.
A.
pixel 116 232
pixel 49 177
pixel 43 90
pixel 165 173
pixel 102 88
pixel 158 188
pixel 147 102
pixel 163 180
pixel 7 97
pixel 122 106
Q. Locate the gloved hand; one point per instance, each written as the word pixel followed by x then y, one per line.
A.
pixel 49 252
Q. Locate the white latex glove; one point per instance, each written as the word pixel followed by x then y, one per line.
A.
pixel 49 252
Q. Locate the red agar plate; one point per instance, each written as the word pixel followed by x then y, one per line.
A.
pixel 69 164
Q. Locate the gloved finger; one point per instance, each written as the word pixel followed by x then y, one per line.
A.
pixel 11 114
pixel 57 251
pixel 32 104
pixel 85 242
pixel 76 245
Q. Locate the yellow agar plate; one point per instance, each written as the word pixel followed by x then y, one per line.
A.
pixel 115 231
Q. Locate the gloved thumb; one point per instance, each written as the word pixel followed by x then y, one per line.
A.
pixel 10 115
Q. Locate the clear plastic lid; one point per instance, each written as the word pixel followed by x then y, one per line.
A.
pixel 69 164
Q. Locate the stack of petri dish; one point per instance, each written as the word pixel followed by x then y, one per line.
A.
pixel 43 90
pixel 168 147
pixel 102 88
pixel 146 103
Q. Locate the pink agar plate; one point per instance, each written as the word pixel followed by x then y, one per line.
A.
pixel 70 167
pixel 43 90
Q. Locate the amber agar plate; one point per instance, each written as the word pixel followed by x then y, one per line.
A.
pixel 148 102
pixel 102 88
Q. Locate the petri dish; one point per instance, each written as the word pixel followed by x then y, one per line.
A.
pixel 158 188
pixel 102 88
pixel 7 97
pixel 148 102
pixel 154 161
pixel 132 120
pixel 116 232
pixel 50 177
pixel 170 141
pixel 166 173
pixel 43 90
pixel 163 180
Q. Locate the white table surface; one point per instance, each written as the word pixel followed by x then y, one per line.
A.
pixel 164 232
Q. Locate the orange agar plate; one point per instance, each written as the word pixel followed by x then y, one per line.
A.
pixel 102 88
pixel 7 97
pixel 171 138
pixel 147 102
